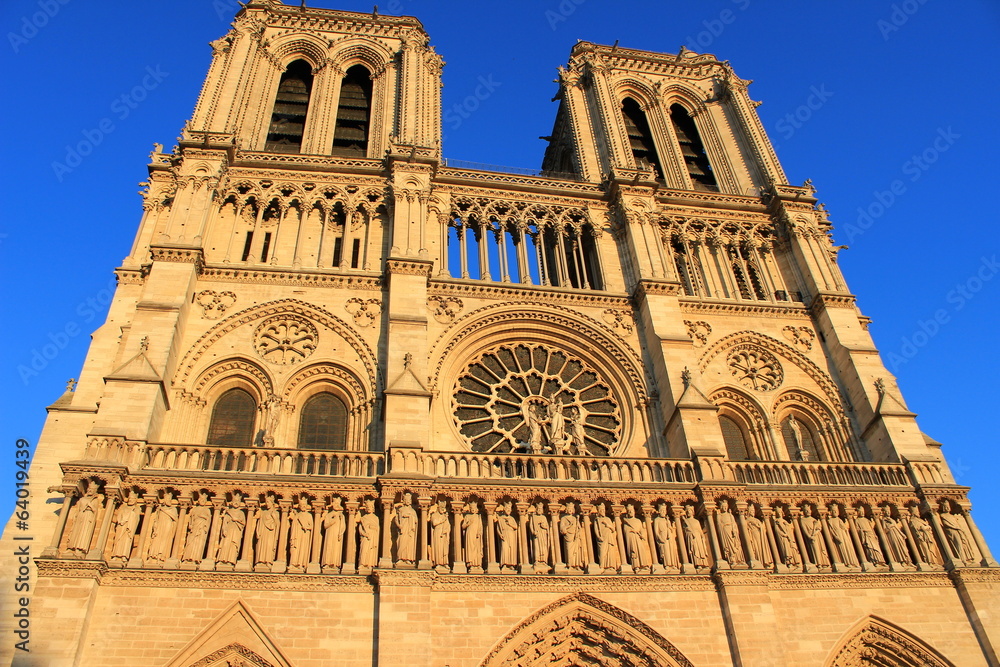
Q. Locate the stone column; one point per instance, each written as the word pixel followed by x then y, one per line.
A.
pixel 558 567
pixel 281 558
pixel 245 564
pixel 977 537
pixel 866 566
pixel 493 566
pixel 713 536
pixel 52 551
pixel 174 559
pixel 686 566
pixel 522 538
pixel 772 543
pixel 350 564
pixel 208 563
pixel 738 508
pixel 386 559
pixel 592 566
pixel 423 534
pixel 97 553
pixel 458 561
pixel 626 567
pixel 656 566
pixel 317 537
pixel 807 566
pixel 831 550
pixel 137 560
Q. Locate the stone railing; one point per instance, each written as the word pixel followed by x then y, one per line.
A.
pixel 818 473
pixel 540 467
pixel 263 460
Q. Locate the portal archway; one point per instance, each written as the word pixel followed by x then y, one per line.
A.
pixel 875 642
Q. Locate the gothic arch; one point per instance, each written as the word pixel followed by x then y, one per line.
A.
pixel 370 53
pixel 288 48
pixel 875 642
pixel 581 629
pixel 235 371
pixel 280 307
pixel 689 98
pixel 639 90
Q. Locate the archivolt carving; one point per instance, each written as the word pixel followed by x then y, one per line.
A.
pixel 287 48
pixel 319 371
pixel 766 342
pixel 878 643
pixel 270 309
pixel 583 630
pixel 750 409
pixel 234 367
pixel 368 52
pixel 233 655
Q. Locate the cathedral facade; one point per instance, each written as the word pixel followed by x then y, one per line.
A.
pixel 356 405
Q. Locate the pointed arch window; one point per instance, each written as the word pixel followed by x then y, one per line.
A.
pixel 323 424
pixel 640 137
pixel 288 120
pixel 233 419
pixel 800 441
pixel 350 136
pixel 692 149
pixel 736 442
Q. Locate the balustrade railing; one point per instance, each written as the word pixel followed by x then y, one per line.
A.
pixel 263 460
pixel 818 473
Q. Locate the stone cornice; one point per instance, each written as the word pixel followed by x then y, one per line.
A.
pixel 183 254
pixel 524 293
pixel 299 278
pixel 696 306
pixel 561 583
pixel 409 267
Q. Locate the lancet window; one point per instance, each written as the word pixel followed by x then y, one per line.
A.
pixel 693 151
pixel 323 424
pixel 350 136
pixel 736 442
pixel 640 137
pixel 524 243
pixel 288 120
pixel 724 259
pixel 233 419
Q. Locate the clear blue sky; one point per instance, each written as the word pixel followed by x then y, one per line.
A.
pixel 903 95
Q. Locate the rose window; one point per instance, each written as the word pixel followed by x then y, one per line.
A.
pixel 287 339
pixel 755 368
pixel 529 398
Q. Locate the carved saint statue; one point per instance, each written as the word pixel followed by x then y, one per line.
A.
pixel 608 556
pixel 569 528
pixel 85 520
pixel 895 540
pixel 198 524
pixel 793 423
pixel 273 417
pixel 694 537
pixel 334 524
pixel 406 527
pixel 812 535
pixel 368 529
pixel 869 540
pixel 507 530
pixel 840 535
pixel 557 426
pixel 923 536
pixel 729 535
pixel 164 522
pixel 636 540
pixel 530 413
pixel 440 534
pixel 958 539
pixel 268 521
pixel 300 539
pixel 784 533
pixel 234 520
pixel 666 536
pixel 538 526
pixel 126 520
pixel 756 536
pixel 472 528
pixel 577 435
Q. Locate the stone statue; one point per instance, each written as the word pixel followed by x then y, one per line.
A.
pixel 164 522
pixel 368 529
pixel 531 418
pixel 569 528
pixel 126 520
pixel 85 520
pixel 869 540
pixel 784 533
pixel 840 535
pixel 895 540
pixel 538 526
pixel 268 521
pixel 608 556
pixel 557 427
pixel 636 540
pixel 472 528
pixel 958 539
pixel 756 536
pixel 666 536
pixel 694 537
pixel 797 437
pixel 729 535
pixel 199 522
pixel 234 520
pixel 334 524
pixel 507 530
pixel 923 536
pixel 577 435
pixel 273 417
pixel 406 527
pixel 440 535
pixel 300 539
pixel 812 535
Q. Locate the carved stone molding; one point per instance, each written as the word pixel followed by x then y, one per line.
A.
pixel 286 339
pixel 525 293
pixel 445 308
pixel 755 368
pixel 692 306
pixel 364 311
pixel 801 337
pixel 699 332
pixel 619 319
pixel 178 254
pixel 214 304
pixel 407 267
pixel 266 276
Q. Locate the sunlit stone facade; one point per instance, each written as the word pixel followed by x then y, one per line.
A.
pixel 355 405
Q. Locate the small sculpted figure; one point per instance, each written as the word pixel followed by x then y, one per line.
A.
pixel 472 528
pixel 636 541
pixel 729 535
pixel 569 528
pixel 268 521
pixel 440 533
pixel 666 536
pixel 507 530
pixel 199 522
pixel 406 527
pixel 164 522
pixel 694 537
pixel 894 537
pixel 608 556
pixel 301 535
pixel 869 540
pixel 368 529
pixel 85 520
pixel 334 524
pixel 125 524
pixel 923 535
pixel 539 529
pixel 234 520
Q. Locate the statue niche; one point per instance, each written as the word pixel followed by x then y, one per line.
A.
pixel 533 399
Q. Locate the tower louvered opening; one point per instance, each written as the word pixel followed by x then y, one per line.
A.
pixel 695 158
pixel 640 138
pixel 350 137
pixel 288 120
